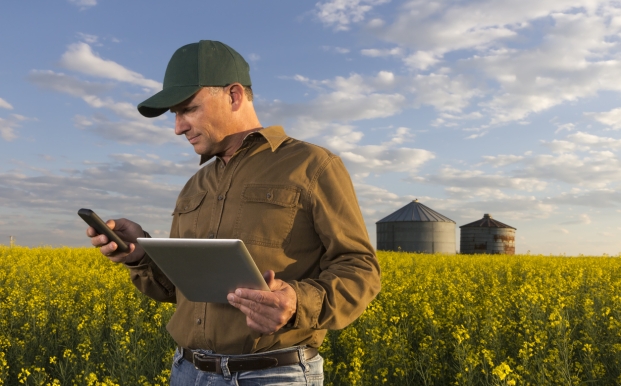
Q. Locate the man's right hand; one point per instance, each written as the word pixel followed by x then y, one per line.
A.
pixel 128 231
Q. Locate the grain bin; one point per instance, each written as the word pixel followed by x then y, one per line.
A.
pixel 487 236
pixel 416 228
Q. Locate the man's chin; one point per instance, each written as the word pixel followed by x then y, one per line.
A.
pixel 199 149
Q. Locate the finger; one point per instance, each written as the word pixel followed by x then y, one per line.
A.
pixel 269 277
pixel 91 232
pixel 121 257
pixel 249 307
pixel 247 296
pixel 99 240
pixel 111 224
pixel 108 249
pixel 264 317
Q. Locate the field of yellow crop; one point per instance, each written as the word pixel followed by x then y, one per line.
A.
pixel 485 320
pixel 70 317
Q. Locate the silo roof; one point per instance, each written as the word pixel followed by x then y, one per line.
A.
pixel 487 222
pixel 415 211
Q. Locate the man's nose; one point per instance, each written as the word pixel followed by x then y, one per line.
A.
pixel 181 125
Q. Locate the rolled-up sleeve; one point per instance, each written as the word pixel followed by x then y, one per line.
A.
pixel 350 273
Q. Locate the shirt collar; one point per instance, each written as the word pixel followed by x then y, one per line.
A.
pixel 275 136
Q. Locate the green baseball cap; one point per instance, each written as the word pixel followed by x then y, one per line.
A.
pixel 206 63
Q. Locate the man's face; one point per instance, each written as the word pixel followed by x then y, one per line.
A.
pixel 205 119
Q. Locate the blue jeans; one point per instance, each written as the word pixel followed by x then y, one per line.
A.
pixel 307 373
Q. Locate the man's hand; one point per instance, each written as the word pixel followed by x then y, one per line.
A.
pixel 266 312
pixel 128 231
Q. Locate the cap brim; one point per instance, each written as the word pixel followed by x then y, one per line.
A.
pixel 159 103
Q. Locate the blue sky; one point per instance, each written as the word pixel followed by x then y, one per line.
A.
pixel 508 107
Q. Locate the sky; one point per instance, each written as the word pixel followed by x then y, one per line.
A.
pixel 506 107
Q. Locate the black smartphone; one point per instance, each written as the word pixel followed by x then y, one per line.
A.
pixel 93 220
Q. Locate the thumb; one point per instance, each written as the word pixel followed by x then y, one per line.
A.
pixel 111 224
pixel 269 277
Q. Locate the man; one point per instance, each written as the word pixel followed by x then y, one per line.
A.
pixel 293 205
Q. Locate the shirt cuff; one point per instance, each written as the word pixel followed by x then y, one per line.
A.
pixel 308 305
pixel 144 261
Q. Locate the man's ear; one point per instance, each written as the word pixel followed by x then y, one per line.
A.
pixel 236 94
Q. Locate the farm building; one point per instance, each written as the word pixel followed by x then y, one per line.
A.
pixel 416 228
pixel 487 236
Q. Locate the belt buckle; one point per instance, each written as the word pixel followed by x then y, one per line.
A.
pixel 196 357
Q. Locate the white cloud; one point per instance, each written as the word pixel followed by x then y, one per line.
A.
pixel 83 4
pixel 338 50
pixel 421 60
pixel 5 105
pixel 66 84
pixel 373 52
pixel 7 129
pixel 585 168
pixel 132 128
pixel 376 202
pixel 384 159
pixel 596 170
pixel 593 141
pixel 130 132
pixel 581 141
pixel 572 61
pixel 343 138
pixel 135 186
pixel 339 100
pixel 444 93
pixel 560 146
pixel 610 118
pixel 582 219
pixel 593 198
pixel 90 39
pixel 81 58
pixel 443 27
pixel 518 57
pixel 341 13
pixel 564 126
pixel 376 23
pixel 502 160
pixel 254 57
pixel 479 182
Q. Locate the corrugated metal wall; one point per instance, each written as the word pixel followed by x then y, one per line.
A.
pixel 487 240
pixel 416 236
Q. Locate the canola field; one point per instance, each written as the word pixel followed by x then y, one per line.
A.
pixel 70 317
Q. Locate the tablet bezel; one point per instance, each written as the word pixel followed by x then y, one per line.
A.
pixel 205 270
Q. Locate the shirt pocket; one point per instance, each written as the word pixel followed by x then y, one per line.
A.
pixel 187 211
pixel 266 214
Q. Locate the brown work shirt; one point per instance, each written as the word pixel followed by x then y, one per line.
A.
pixel 293 204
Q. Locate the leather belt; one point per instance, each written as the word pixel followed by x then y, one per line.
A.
pixel 237 363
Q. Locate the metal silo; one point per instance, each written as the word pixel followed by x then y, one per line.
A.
pixel 487 236
pixel 416 228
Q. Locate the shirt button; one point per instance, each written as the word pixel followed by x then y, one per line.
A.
pixel 269 196
pixel 198 321
pixel 211 235
pixel 185 207
pixel 221 166
pixel 221 197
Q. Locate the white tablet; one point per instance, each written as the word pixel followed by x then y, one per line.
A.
pixel 205 270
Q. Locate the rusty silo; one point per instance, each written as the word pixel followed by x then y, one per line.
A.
pixel 416 228
pixel 487 236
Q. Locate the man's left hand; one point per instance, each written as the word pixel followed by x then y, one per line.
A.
pixel 266 312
